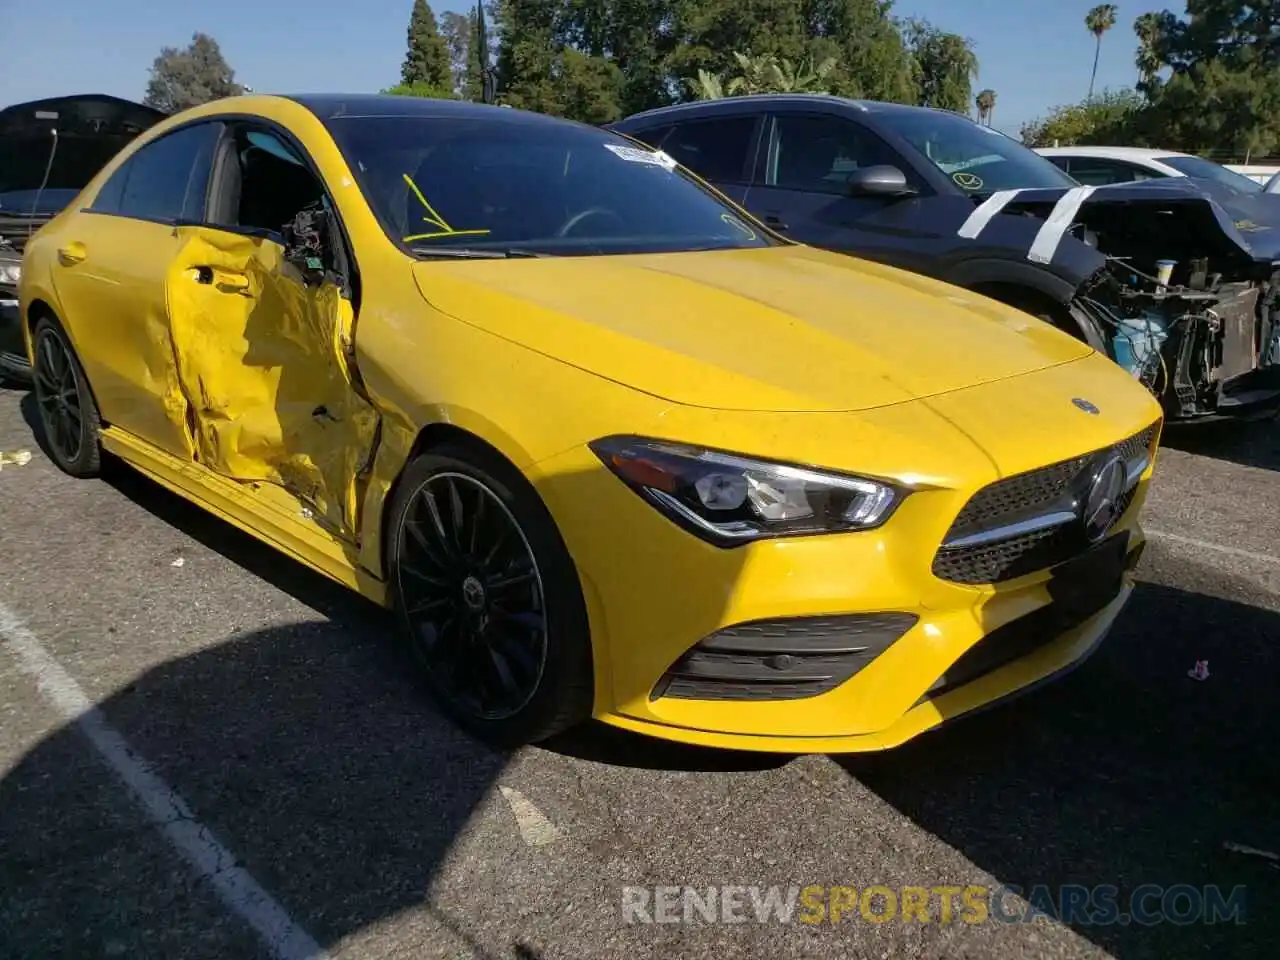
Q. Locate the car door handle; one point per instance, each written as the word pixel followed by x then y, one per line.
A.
pixel 775 221
pixel 73 252
pixel 225 281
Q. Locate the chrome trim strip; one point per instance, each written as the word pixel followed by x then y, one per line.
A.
pixel 1136 470
pixel 1008 531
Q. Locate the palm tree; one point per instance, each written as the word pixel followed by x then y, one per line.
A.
pixel 708 86
pixel 1099 20
pixel 1150 30
pixel 986 104
pixel 807 77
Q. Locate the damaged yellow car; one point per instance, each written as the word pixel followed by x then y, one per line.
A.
pixel 606 443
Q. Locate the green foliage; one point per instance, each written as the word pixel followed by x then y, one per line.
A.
pixel 1207 82
pixel 190 76
pixel 946 66
pixel 597 58
pixel 1106 119
pixel 459 33
pixel 765 74
pixel 427 60
pixel 420 90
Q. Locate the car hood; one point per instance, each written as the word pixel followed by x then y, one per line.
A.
pixel 1240 228
pixel 91 129
pixel 787 328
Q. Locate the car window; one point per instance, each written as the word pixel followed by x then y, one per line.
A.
pixel 531 184
pixel 818 153
pixel 653 136
pixel 1208 170
pixel 979 160
pixel 112 192
pixel 1062 163
pixel 715 150
pixel 168 177
pixel 274 184
pixel 1100 171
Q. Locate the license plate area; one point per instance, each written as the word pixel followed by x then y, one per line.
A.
pixel 1086 583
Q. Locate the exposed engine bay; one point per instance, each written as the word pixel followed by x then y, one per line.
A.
pixel 1187 294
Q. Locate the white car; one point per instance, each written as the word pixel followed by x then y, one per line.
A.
pixel 1098 166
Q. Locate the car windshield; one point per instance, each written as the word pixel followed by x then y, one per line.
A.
pixel 978 159
pixel 443 186
pixel 1208 170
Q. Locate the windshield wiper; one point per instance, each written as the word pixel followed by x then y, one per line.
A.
pixel 472 253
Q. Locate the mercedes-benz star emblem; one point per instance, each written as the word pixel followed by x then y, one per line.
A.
pixel 1102 502
pixel 1083 404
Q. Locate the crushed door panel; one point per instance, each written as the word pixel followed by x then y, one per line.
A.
pixel 262 359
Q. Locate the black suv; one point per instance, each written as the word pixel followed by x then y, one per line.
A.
pixel 933 192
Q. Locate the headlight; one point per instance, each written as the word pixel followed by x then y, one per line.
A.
pixel 10 272
pixel 729 499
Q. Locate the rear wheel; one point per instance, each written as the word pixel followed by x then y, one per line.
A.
pixel 68 413
pixel 489 598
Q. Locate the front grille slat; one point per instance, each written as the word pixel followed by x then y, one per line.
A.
pixel 1019 497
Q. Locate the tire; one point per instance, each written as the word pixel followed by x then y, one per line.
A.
pixel 68 413
pixel 456 610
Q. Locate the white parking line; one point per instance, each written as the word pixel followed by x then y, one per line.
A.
pixel 1214 547
pixel 213 862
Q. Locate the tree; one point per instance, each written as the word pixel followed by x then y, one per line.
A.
pixel 985 101
pixel 945 66
pixel 459 33
pixel 1150 28
pixel 873 60
pixel 1106 119
pixel 765 74
pixel 1099 20
pixel 540 69
pixel 419 90
pixel 1223 86
pixel 191 76
pixel 426 63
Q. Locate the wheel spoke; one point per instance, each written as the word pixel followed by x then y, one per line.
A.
pixel 414 529
pixel 428 499
pixel 455 513
pixel 419 574
pixel 477 521
pixel 505 581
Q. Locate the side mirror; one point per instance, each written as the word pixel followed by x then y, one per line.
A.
pixel 881 180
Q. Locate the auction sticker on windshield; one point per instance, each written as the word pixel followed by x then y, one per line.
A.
pixel 634 154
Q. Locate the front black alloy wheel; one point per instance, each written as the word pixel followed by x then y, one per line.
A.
pixel 489 598
pixel 68 413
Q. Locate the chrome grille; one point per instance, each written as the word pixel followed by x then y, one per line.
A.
pixel 1042 503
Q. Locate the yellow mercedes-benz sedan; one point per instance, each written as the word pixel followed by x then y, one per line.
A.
pixel 607 445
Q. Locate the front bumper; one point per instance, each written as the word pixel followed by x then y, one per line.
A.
pixel 655 593
pixel 13 351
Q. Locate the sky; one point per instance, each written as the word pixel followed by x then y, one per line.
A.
pixel 1034 59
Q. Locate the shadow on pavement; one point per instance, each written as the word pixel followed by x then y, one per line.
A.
pixel 1255 444
pixel 312 753
pixel 1126 773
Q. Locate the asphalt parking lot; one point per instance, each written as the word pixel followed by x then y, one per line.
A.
pixel 261 777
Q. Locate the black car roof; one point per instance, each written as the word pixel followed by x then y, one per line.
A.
pixel 333 106
pixel 783 101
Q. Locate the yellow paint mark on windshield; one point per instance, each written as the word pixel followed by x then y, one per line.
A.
pixel 433 217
